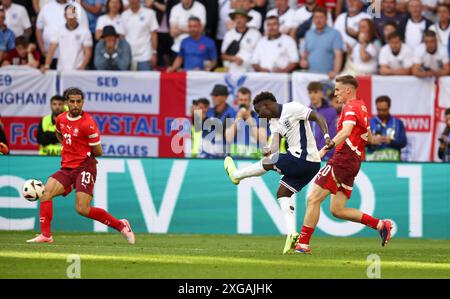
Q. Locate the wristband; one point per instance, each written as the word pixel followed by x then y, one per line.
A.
pixel 326 135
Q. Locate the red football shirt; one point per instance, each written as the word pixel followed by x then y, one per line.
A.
pixel 355 112
pixel 79 134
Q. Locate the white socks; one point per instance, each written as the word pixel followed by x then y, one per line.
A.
pixel 255 169
pixel 287 206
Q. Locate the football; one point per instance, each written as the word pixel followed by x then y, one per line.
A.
pixel 32 190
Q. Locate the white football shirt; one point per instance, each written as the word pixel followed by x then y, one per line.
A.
pixel 293 124
pixel 51 19
pixel 365 67
pixel 180 16
pixel 351 22
pixel 71 43
pixel 414 33
pixel 404 58
pixel 17 19
pixel 116 22
pixel 138 28
pixel 431 61
pixel 246 48
pixel 279 52
pixel 442 34
pixel 287 20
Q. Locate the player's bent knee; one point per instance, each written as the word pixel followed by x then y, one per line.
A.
pixel 82 210
pixel 336 212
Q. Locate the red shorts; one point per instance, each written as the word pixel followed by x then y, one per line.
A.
pixel 339 173
pixel 82 178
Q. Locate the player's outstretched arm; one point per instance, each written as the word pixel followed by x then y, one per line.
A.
pixel 340 137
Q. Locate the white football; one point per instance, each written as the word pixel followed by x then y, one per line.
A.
pixel 32 190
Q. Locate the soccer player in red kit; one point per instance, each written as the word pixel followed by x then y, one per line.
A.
pixel 338 175
pixel 79 135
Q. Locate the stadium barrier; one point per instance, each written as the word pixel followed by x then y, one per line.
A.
pixel 138 113
pixel 195 196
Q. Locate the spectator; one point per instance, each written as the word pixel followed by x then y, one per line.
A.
pixel 197 52
pixel 389 13
pixel 363 57
pixel 213 134
pixel 389 135
pixel 247 135
pixel 76 41
pixel 6 34
pixel 275 52
pixel 442 26
pixel 111 52
pixel 444 140
pixel 140 27
pixel 388 28
pixel 322 50
pixel 414 25
pixel 198 111
pixel 347 23
pixel 17 19
pixel 395 57
pixel 93 10
pixel 256 18
pixel 239 43
pixel 430 59
pixel 114 9
pixel 321 105
pixel 51 20
pixel 25 53
pixel 285 14
pixel 179 17
pixel 49 145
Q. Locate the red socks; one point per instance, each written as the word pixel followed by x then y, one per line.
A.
pixel 45 217
pixel 369 221
pixel 105 218
pixel 305 234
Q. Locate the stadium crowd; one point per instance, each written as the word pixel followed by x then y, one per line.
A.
pixel 386 37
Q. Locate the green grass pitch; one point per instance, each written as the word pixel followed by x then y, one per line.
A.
pixel 218 256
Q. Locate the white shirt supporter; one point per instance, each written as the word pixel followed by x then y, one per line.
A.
pixel 404 58
pixel 138 28
pixel 279 52
pixel 17 19
pixel 105 20
pixel 287 20
pixel 180 17
pixel 352 23
pixel 430 61
pixel 51 19
pixel 246 48
pixel 365 67
pixel 71 43
pixel 293 124
pixel 414 33
pixel 442 34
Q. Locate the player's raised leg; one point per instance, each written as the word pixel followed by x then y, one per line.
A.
pixel 53 188
pixel 312 214
pixel 256 169
pixel 339 210
pixel 84 208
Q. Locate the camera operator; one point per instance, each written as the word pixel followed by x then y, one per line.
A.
pixel 444 140
pixel 389 135
pixel 246 135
